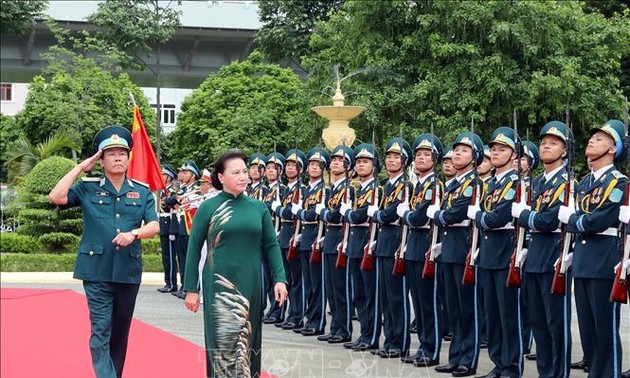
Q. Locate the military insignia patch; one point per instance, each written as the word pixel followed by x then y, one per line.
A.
pixel 468 191
pixel 133 195
pixel 615 195
pixel 510 194
pixel 428 194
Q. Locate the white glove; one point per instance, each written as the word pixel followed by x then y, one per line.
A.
pixel 402 208
pixel 437 250
pixel 294 209
pixel 172 237
pixel 522 255
pixel 344 207
pixel 371 210
pixel 518 208
pixel 319 207
pixel 275 205
pixel 568 261
pixel 431 210
pixel 475 255
pixel 472 211
pixel 624 214
pixel 565 213
pixel 298 238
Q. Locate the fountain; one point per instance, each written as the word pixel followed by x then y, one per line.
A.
pixel 338 116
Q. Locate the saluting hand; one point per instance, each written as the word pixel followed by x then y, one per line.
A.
pixel 87 164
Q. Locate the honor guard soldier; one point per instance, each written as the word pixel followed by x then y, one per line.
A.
pixel 117 212
pixel 449 172
pixel 360 236
pixel 485 171
pixel 313 272
pixel 549 314
pixel 256 188
pixel 395 299
pixel 461 300
pixel 624 218
pixel 413 212
pixel 338 284
pixel 275 190
pixel 294 165
pixel 501 303
pixel 596 251
pixel 189 173
pixel 168 238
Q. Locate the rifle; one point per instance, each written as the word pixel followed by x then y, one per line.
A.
pixel 399 255
pixel 558 284
pixel 428 271
pixel 514 272
pixel 342 259
pixel 276 225
pixel 367 262
pixel 292 253
pixel 316 253
pixel 619 292
pixel 469 266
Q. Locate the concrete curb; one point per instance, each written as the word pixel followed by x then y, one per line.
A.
pixel 148 278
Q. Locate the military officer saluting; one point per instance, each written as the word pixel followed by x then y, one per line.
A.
pixel 117 212
pixel 394 300
pixel 167 236
pixel 461 299
pixel 256 188
pixel 549 314
pixel 413 213
pixel 595 220
pixel 294 193
pixel 337 280
pixel 364 281
pixel 312 273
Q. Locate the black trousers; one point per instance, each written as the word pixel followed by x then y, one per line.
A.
pixel 338 290
pixel 425 299
pixel 395 306
pixel 111 308
pixel 297 302
pixel 366 299
pixel 169 262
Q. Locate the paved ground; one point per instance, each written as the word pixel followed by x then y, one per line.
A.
pixel 285 353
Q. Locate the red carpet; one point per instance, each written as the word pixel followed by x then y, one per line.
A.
pixel 45 333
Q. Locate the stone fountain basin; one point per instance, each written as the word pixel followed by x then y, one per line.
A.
pixel 338 112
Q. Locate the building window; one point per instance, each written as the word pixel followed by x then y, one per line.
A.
pixel 6 92
pixel 168 114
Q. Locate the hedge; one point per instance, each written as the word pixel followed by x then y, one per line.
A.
pixel 44 262
pixel 16 243
pixel 59 242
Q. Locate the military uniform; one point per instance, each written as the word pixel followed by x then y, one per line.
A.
pixel 365 288
pixel 597 251
pixel 461 300
pixel 168 233
pixel 293 192
pixel 395 298
pixel 424 294
pixel 111 274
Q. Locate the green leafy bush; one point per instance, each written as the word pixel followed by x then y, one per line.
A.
pixel 45 175
pixel 59 242
pixel 15 243
pixel 151 246
pixel 74 226
pixel 44 262
pixel 37 216
pixel 33 229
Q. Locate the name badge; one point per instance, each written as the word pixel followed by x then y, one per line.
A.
pixel 133 195
pixel 102 194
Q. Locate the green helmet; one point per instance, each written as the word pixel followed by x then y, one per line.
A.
pixel 319 154
pixel 505 136
pixel 531 151
pixel 258 159
pixel 368 151
pixel 616 130
pixel 276 158
pixel 430 142
pixel 400 146
pixel 295 155
pixel 473 141
pixel 346 153
pixel 557 129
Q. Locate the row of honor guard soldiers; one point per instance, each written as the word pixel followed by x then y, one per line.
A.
pixel 185 188
pixel 379 245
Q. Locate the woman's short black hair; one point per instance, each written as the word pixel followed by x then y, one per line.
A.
pixel 219 165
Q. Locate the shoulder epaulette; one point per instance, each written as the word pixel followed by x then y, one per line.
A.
pixel 90 179
pixel 514 177
pixel 140 183
pixel 618 174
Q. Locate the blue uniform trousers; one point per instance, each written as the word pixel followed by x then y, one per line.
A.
pixel 503 322
pixel 275 311
pixel 182 248
pixel 424 296
pixel 461 301
pixel 316 297
pixel 366 298
pixel 445 323
pixel 394 305
pixel 600 340
pixel 111 308
pixel 550 319
pixel 169 253
pixel 338 289
pixel 528 336
pixel 297 301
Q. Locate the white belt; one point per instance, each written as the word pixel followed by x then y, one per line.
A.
pixel 286 221
pixel 165 214
pixel 508 226
pixel 359 225
pixel 556 231
pixel 397 223
pixel 334 224
pixel 425 227
pixel 464 223
pixel 305 223
pixel 610 231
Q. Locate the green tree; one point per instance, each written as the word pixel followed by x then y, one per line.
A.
pixel 248 105
pixel 138 28
pixel 18 16
pixel 80 89
pixel 448 62
pixel 9 134
pixel 24 156
pixel 288 24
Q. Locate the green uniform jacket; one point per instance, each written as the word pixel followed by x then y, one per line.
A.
pixel 106 212
pixel 237 233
